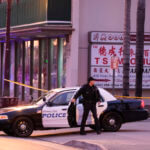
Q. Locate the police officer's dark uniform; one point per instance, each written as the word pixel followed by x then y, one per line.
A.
pixel 91 96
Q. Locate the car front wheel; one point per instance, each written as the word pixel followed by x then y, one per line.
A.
pixel 23 127
pixel 112 121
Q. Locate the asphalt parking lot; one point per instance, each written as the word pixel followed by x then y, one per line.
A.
pixel 132 136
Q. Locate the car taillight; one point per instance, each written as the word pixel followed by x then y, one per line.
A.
pixel 142 104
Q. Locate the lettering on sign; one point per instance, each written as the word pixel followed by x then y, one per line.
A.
pixel 114 37
pixel 101 55
pixel 54 115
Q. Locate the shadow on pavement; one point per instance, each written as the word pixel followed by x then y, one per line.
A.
pixel 58 134
pixel 78 133
pixel 132 130
pixel 69 133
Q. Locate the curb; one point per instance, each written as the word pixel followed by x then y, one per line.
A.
pixel 85 145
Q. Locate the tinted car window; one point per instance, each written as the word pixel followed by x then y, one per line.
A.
pixel 62 99
pixel 80 99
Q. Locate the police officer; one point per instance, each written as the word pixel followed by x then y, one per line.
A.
pixel 91 96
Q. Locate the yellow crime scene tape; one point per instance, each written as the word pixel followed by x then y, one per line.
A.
pixel 31 87
pixel 134 97
pixel 28 86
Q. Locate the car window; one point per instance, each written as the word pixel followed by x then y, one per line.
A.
pixel 80 100
pixel 40 101
pixel 62 99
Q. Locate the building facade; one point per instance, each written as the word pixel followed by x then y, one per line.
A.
pixel 59 44
pixel 107 19
pixel 40 36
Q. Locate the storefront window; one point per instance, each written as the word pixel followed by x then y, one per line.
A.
pixel 64 63
pixel 35 68
pixel 12 60
pixel 27 70
pixel 44 65
pixel 54 64
pixel 49 53
pixel 19 69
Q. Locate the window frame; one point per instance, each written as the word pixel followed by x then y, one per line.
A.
pixel 59 94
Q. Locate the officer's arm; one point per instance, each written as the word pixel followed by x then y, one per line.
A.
pixel 99 97
pixel 78 93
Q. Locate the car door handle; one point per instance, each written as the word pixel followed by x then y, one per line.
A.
pixel 64 109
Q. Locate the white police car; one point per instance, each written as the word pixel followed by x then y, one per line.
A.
pixel 53 111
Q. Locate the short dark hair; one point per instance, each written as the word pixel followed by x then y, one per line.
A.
pixel 91 79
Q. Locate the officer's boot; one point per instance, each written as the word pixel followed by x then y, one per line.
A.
pixel 98 128
pixel 82 131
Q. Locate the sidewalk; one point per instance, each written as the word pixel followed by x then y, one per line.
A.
pixel 9 143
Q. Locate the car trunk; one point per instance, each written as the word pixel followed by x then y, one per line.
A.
pixel 132 104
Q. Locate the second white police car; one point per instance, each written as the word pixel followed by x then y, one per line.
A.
pixel 54 111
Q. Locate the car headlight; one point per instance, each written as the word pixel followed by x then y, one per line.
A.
pixel 3 117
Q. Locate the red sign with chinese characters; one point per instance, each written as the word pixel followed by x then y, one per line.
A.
pixel 101 55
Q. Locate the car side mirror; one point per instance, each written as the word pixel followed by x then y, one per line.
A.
pixel 44 99
pixel 49 103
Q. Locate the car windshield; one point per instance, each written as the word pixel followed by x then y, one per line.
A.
pixel 40 101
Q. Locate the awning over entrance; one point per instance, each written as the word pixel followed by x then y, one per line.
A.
pixel 36 32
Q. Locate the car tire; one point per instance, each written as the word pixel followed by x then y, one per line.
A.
pixel 23 127
pixel 8 132
pixel 111 121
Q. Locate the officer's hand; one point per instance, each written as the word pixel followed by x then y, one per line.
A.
pixel 99 103
pixel 73 100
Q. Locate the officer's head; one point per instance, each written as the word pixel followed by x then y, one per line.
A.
pixel 91 81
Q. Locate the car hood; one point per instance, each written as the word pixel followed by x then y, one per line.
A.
pixel 17 108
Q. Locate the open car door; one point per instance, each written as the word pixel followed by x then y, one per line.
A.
pixel 55 114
